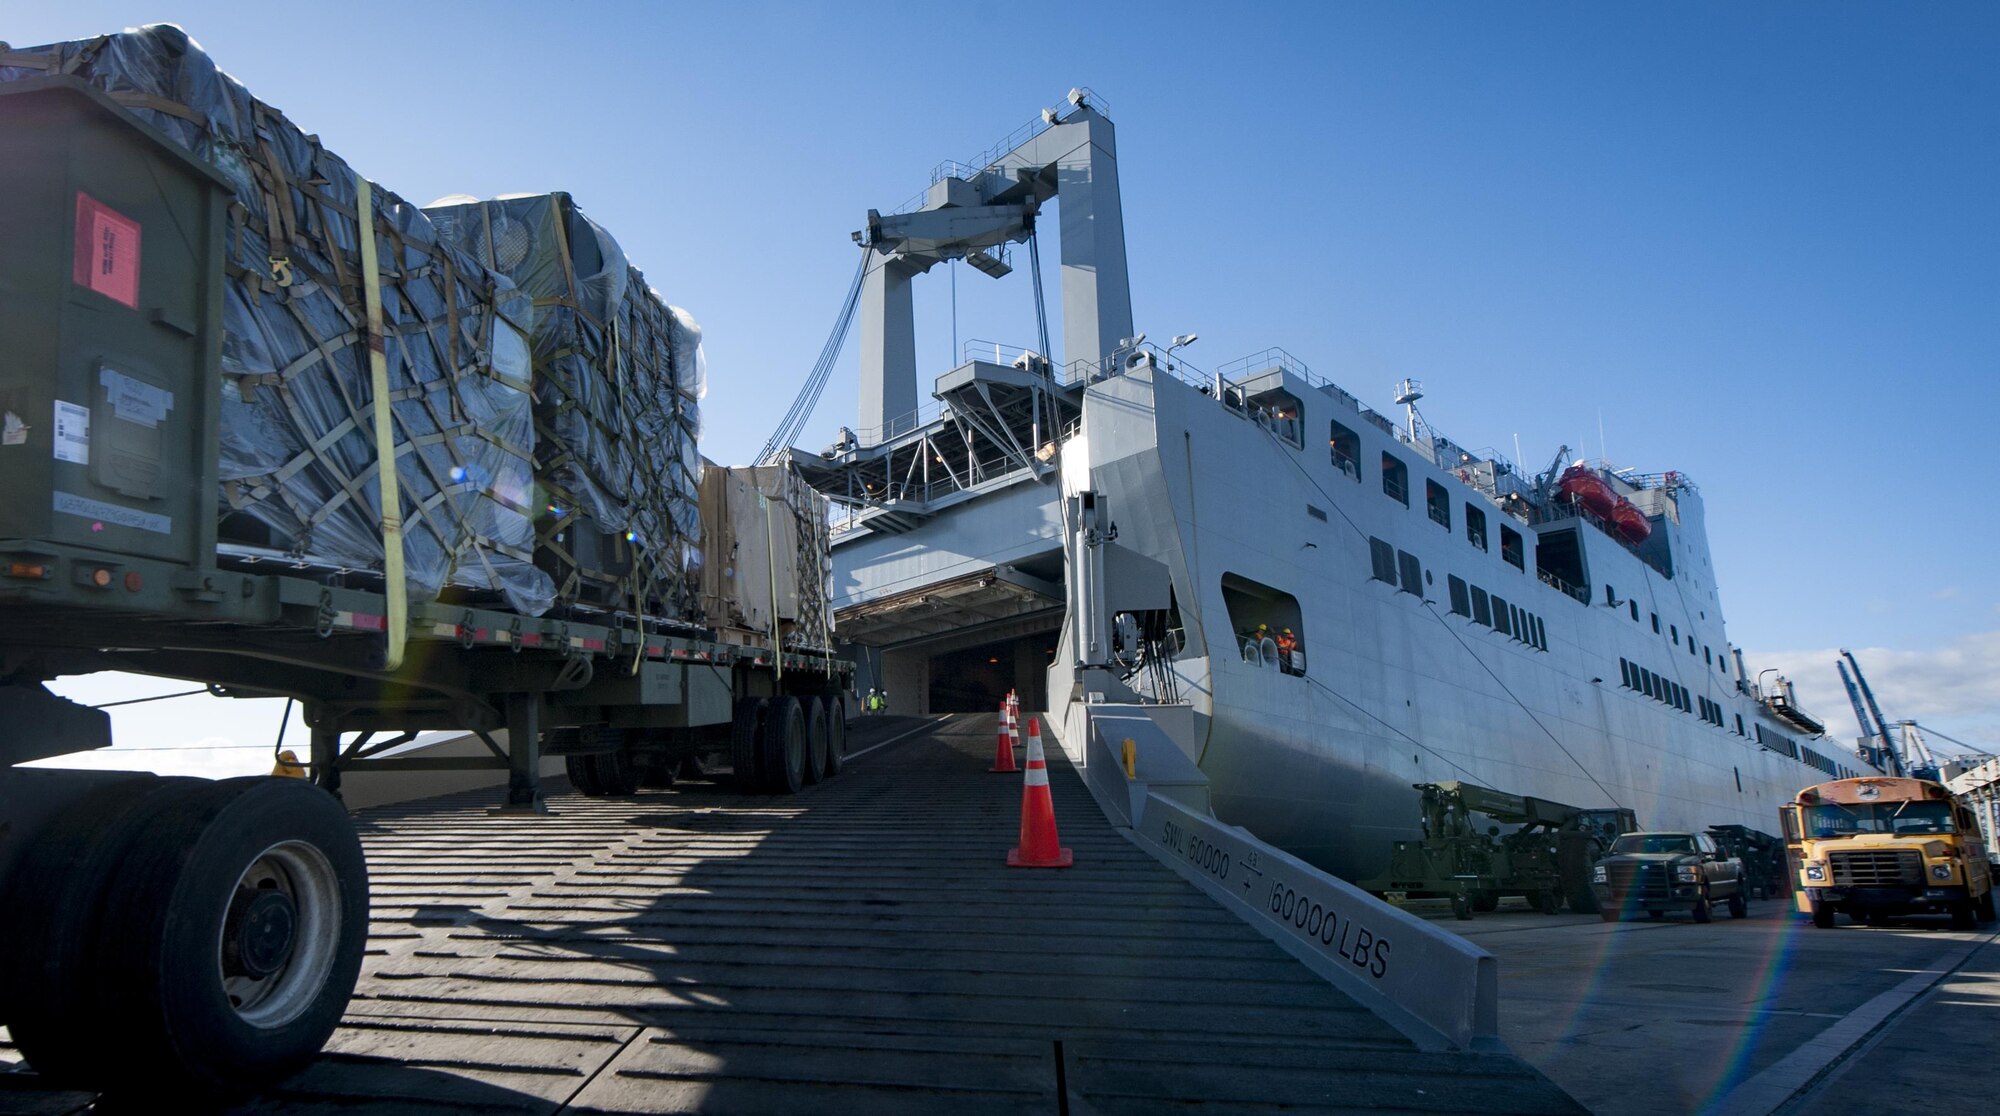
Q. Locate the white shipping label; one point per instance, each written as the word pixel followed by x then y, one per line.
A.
pixel 72 433
pixel 13 432
pixel 135 400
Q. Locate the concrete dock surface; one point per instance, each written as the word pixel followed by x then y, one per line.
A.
pixel 1743 1018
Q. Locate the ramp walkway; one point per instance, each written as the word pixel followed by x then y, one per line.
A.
pixel 858 948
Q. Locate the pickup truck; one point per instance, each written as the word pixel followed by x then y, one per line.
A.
pixel 1661 872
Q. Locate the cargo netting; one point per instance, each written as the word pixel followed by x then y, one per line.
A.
pixel 618 377
pixel 298 464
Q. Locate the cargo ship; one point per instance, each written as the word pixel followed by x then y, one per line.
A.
pixel 1353 604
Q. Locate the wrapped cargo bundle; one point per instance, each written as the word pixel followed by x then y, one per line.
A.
pixel 298 460
pixel 766 549
pixel 617 382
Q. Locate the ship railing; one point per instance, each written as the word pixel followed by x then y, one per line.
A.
pixel 1012 356
pixel 1581 593
pixel 1396 489
pixel 899 426
pixel 985 160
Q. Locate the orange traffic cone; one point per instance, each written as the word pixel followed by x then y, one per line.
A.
pixel 1003 752
pixel 1040 847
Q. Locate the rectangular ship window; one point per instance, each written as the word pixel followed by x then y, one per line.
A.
pixel 1656 623
pixel 1412 571
pixel 1502 622
pixel 1438 503
pixel 1461 601
pixel 1475 526
pixel 1634 606
pixel 1395 480
pixel 1510 548
pixel 1384 558
pixel 1481 612
pixel 1344 446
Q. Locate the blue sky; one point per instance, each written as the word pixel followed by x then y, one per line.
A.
pixel 1761 241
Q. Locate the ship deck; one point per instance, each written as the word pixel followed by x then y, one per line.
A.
pixel 858 948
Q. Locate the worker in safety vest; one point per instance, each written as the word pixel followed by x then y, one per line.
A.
pixel 1287 644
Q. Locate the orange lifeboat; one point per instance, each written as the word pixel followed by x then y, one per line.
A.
pixel 1630 522
pixel 1581 485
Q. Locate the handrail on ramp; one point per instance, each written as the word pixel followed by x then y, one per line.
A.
pixel 1439 990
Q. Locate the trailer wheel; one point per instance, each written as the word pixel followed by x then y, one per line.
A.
pixel 816 738
pixel 583 775
pixel 1461 907
pixel 783 755
pixel 234 935
pixel 746 736
pixel 56 908
pixel 617 773
pixel 1486 899
pixel 836 737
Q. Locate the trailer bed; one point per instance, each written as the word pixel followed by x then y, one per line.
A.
pixel 858 948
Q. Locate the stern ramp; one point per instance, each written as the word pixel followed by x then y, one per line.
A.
pixel 860 948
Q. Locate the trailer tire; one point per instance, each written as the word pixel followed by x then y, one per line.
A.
pixel 746 736
pixel 816 738
pixel 836 736
pixel 234 936
pixel 783 755
pixel 617 773
pixel 1485 899
pixel 55 906
pixel 1461 907
pixel 583 775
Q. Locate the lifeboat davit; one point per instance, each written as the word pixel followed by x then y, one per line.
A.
pixel 1630 522
pixel 1581 485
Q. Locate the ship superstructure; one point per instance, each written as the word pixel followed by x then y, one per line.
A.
pixel 1351 604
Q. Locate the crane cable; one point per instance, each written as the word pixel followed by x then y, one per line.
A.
pixel 808 398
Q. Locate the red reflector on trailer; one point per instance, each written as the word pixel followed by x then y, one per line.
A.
pixel 370 623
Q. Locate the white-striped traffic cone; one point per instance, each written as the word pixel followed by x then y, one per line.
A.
pixel 1003 749
pixel 1039 847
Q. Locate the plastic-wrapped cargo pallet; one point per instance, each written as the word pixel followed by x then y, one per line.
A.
pixel 617 383
pixel 749 515
pixel 297 457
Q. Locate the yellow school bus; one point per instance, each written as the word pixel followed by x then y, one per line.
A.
pixel 1879 846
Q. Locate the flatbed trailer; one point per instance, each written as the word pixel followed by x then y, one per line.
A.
pixel 221 924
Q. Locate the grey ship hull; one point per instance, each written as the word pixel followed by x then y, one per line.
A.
pixel 1399 688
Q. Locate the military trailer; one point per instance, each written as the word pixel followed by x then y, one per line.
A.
pixel 1546 860
pixel 217 928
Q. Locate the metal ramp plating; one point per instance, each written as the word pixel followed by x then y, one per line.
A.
pixel 860 948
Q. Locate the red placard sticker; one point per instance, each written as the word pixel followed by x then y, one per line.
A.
pixel 107 251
